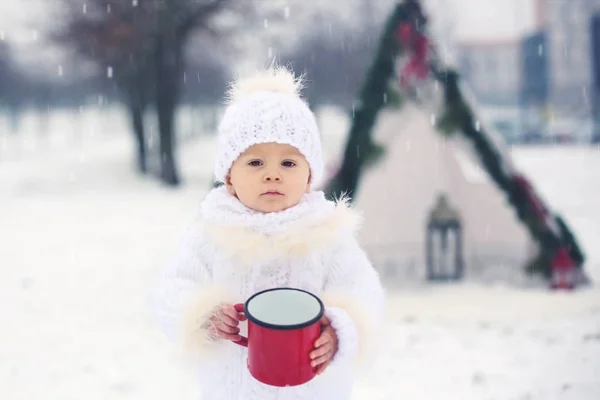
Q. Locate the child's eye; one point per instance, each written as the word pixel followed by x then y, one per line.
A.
pixel 288 164
pixel 255 163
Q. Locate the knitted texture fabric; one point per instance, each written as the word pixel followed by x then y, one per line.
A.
pixel 268 109
pixel 312 247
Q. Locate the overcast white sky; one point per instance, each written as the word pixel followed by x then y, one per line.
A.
pixel 492 19
pixel 473 20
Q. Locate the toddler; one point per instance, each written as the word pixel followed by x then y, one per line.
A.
pixel 265 228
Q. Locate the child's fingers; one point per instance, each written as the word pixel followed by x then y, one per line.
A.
pixel 322 359
pixel 319 351
pixel 226 319
pixel 324 338
pixel 217 326
pixel 321 341
pixel 228 329
pixel 229 311
pixel 234 314
pixel 323 367
pixel 229 336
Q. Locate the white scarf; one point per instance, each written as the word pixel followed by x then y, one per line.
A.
pixel 223 209
pixel 250 236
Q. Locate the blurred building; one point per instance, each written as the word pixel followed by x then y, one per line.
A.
pixel 569 27
pixel 491 69
pixel 534 69
pixel 596 77
pixel 534 90
pixel 566 47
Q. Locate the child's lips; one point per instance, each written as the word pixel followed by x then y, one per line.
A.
pixel 272 193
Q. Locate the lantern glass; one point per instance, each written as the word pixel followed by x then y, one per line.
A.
pixel 444 243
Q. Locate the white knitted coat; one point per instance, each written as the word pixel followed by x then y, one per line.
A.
pixel 232 252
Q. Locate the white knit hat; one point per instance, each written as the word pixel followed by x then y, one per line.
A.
pixel 264 109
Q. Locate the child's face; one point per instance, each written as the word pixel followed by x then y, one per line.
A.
pixel 269 177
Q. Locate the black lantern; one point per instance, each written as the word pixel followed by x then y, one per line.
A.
pixel 444 243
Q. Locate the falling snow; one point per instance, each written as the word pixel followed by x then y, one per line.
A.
pixel 500 342
pixel 83 333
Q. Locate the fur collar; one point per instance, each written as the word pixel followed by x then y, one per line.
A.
pixel 317 226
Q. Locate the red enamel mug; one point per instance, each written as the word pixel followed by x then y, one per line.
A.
pixel 283 325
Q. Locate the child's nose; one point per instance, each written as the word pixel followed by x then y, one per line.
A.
pixel 272 176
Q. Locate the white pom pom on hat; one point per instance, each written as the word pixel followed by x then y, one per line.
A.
pixel 268 108
pixel 276 79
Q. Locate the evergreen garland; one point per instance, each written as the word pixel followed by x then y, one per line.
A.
pixel 373 96
pixel 457 117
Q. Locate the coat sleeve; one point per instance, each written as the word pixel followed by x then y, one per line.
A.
pixel 186 297
pixel 354 302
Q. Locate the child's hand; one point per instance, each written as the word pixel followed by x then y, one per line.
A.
pixel 325 347
pixel 224 323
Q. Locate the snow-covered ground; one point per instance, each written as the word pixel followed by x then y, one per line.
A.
pixel 82 239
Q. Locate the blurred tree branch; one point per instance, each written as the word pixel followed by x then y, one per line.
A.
pixel 111 34
pixel 142 45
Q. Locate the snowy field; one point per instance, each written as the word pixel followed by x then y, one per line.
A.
pixel 82 239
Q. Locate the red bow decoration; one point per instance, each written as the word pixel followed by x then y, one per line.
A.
pixel 418 44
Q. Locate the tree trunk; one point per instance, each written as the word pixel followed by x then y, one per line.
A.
pixel 168 71
pixel 136 110
pixel 166 113
pixel 14 117
pixel 134 88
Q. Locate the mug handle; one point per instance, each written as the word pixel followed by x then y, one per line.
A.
pixel 244 340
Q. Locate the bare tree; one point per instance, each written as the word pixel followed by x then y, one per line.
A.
pixel 334 67
pixel 206 81
pixel 13 86
pixel 142 44
pixel 336 50
pixel 5 70
pixel 174 22
pixel 113 34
